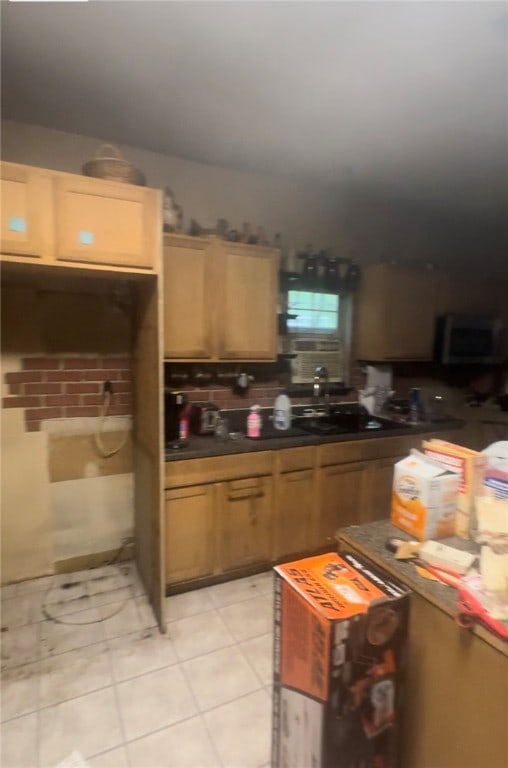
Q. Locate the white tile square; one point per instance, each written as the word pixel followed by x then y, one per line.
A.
pixel 249 618
pixel 67 588
pixel 188 604
pixel 17 612
pixel 71 632
pixel 241 730
pixel 119 618
pixel 259 654
pixel 200 634
pixel 131 574
pixel 114 758
pixel 20 690
pixel 74 673
pixel 219 677
pixel 21 645
pixel 237 590
pixel 89 724
pixel 154 700
pixel 141 652
pixel 184 745
pixel 7 591
pixel 264 581
pixel 146 615
pixel 108 586
pixel 34 585
pixel 19 743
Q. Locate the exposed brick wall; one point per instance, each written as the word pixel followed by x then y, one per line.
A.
pixel 58 387
pixel 262 394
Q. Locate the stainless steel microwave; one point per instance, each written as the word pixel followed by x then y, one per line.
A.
pixel 468 339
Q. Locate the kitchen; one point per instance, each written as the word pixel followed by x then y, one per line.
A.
pixel 80 506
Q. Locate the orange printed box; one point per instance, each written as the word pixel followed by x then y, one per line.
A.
pixel 471 468
pixel 424 497
pixel 339 649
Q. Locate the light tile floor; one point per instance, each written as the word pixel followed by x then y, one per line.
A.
pixel 102 680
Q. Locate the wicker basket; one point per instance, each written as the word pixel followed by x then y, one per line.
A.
pixel 109 164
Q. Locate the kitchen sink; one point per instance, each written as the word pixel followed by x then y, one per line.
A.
pixel 340 424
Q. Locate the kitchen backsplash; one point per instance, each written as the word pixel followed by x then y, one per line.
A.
pixel 266 385
pixel 57 387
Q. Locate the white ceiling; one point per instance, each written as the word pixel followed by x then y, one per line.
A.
pixel 404 98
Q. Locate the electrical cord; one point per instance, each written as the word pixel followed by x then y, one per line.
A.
pixel 60 620
pixel 101 449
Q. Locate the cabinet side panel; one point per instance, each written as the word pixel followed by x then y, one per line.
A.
pixel 148 460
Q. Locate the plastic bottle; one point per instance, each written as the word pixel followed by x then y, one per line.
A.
pixel 282 411
pixel 183 424
pixel 254 422
pixel 414 406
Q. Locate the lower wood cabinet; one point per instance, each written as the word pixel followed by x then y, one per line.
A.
pixel 190 526
pixel 294 516
pixel 377 490
pixel 340 498
pixel 225 514
pixel 246 522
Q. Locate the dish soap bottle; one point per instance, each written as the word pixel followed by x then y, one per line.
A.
pixel 282 411
pixel 254 422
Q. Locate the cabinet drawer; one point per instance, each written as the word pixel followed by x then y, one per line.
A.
pixel 293 459
pixel 383 447
pixel 340 453
pixel 217 469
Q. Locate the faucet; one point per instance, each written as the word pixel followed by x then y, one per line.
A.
pixel 320 391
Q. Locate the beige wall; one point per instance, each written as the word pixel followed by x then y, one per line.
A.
pixel 354 222
pixel 59 498
pixel 300 212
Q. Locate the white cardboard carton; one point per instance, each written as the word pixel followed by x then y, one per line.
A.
pixel 424 497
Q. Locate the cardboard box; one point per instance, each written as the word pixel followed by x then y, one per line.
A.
pixel 471 468
pixel 496 469
pixel 424 497
pixel 339 650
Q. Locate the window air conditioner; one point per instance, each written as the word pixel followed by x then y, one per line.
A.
pixel 312 352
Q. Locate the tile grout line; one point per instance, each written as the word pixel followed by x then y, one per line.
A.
pixel 200 714
pixel 117 700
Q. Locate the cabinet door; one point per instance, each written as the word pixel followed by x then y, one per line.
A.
pixel 188 298
pixel 396 313
pixel 247 303
pixel 189 533
pixel 26 212
pixel 411 310
pixel 378 490
pixel 340 499
pixel 246 530
pixel 104 222
pixel 294 527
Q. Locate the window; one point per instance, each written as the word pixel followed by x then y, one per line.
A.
pixel 319 333
pixel 315 312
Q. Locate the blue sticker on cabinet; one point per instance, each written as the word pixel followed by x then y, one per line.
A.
pixel 17 224
pixel 86 237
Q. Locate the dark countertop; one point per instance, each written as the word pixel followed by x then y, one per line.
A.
pixel 198 447
pixel 370 539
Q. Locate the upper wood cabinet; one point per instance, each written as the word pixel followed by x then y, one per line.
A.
pixel 220 300
pixel 105 222
pixel 246 302
pixel 396 312
pixel 188 298
pixel 26 212
pixel 70 220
